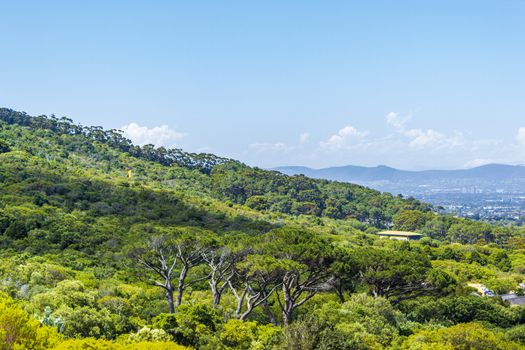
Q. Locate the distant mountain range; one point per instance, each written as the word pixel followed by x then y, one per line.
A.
pixel 352 173
pixel 486 179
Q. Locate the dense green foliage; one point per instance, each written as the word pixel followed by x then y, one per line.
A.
pixel 116 246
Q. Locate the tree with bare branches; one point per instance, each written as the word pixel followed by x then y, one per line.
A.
pixel 171 256
pixel 160 256
pixel 304 266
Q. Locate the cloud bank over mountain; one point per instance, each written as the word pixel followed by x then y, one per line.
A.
pixel 399 142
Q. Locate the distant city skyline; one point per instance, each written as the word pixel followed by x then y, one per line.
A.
pixel 408 84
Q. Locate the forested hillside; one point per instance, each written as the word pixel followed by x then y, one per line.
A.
pixel 105 244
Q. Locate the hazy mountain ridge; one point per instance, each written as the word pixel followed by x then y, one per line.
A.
pixel 492 172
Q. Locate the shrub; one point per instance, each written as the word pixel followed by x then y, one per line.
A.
pixel 99 344
pixel 88 322
pixel 461 336
pixel 19 331
pixel 149 334
pixel 238 334
pixel 166 322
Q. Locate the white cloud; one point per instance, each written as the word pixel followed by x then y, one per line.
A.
pixel 343 138
pixel 420 138
pixel 159 135
pixel 393 119
pixel 485 145
pixel 304 138
pixel 521 136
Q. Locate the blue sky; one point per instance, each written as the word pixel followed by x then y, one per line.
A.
pixel 410 84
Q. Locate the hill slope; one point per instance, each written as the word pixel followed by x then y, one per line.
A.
pixel 219 177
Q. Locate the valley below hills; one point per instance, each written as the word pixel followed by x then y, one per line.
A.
pixel 492 192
